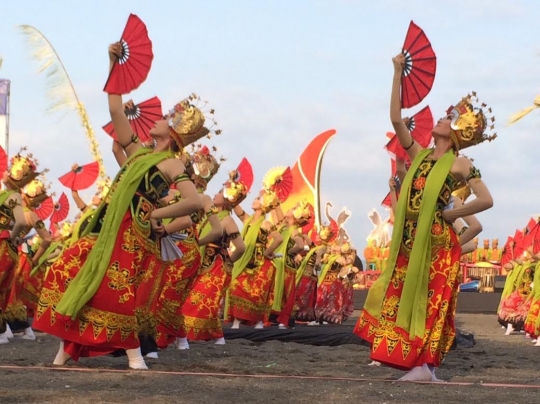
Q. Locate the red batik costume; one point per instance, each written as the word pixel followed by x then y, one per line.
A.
pixel 201 309
pixel 408 316
pixel 96 298
pixel 250 295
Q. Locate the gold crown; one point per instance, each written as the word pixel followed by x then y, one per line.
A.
pixel 203 162
pixel 328 234
pixel 35 192
pixel 22 169
pixel 346 248
pixel 469 123
pixel 495 240
pixel 233 190
pixel 187 120
pixel 269 200
pixel 302 213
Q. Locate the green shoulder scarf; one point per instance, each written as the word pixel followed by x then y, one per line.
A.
pixel 413 303
pixel 85 284
pixel 279 262
pixel 250 231
pixel 206 227
pixel 43 259
pixel 4 195
pixel 333 258
pixel 303 264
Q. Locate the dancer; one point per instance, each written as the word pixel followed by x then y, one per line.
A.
pixel 408 316
pixel 104 302
pixel 249 295
pixel 21 171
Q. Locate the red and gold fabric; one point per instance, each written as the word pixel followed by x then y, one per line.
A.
pixel 306 288
pixel 124 303
pixel 8 264
pixel 329 304
pixel 413 323
pixel 249 295
pixel 177 282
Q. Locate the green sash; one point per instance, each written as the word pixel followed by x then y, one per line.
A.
pixel 85 284
pixel 413 303
pixel 250 231
pixel 326 267
pixel 43 259
pixel 510 283
pixel 206 227
pixel 303 264
pixel 279 262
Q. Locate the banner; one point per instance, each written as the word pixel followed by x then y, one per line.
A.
pixel 4 114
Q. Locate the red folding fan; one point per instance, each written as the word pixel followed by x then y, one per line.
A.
pixel 45 208
pixel 142 118
pixel 82 177
pixel 420 126
pixel 508 251
pixel 532 238
pixel 132 68
pixel 3 160
pixel 61 209
pixel 283 185
pixel 244 173
pixel 420 66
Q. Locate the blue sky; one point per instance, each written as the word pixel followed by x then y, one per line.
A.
pixel 278 73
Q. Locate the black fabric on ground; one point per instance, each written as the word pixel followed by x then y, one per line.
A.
pixel 325 335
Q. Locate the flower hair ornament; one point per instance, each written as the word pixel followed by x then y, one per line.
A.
pixel 187 121
pixel 237 187
pixel 22 169
pixel 269 200
pixel 469 122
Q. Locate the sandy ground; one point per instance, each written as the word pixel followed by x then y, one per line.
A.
pixel 27 377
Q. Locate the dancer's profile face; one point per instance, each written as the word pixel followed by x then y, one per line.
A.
pixel 442 128
pixel 218 198
pixel 160 129
pixel 256 205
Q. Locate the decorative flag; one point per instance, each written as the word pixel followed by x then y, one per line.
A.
pixel 306 174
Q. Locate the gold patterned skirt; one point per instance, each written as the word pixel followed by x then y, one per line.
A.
pixel 123 305
pixel 390 344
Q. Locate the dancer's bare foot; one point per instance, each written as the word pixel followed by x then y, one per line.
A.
pixel 28 334
pixel 374 363
pixel 417 374
pixel 259 325
pixel 509 329
pixel 236 324
pixel 136 360
pixel 3 338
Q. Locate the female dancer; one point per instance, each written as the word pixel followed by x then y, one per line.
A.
pixel 409 313
pixel 104 305
pixel 249 296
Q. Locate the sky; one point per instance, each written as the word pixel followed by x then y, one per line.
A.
pixel 279 73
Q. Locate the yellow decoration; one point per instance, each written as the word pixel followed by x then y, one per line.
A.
pixel 61 89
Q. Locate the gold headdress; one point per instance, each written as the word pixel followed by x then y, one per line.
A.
pixel 269 200
pixel 35 193
pixel 302 213
pixel 22 169
pixel 469 123
pixel 66 229
pixel 239 183
pixel 204 163
pixel 186 121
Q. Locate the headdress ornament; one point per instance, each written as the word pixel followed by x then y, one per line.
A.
pixel 187 121
pixel 35 192
pixel 470 123
pixel 22 169
pixel 239 183
pixel 302 213
pixel 203 162
pixel 103 187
